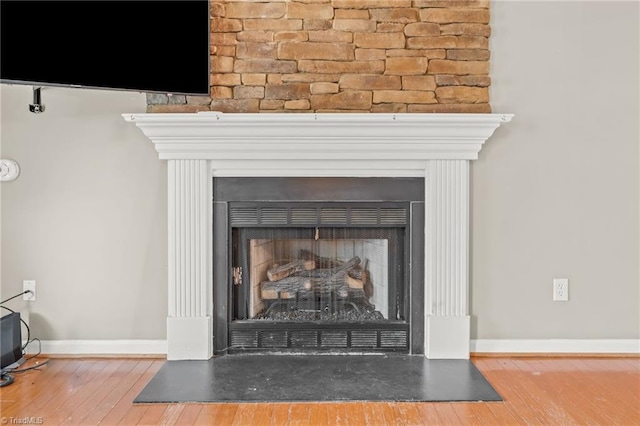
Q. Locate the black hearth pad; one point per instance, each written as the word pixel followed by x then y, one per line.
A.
pixel 291 378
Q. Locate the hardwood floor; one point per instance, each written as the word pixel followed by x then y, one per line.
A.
pixel 536 391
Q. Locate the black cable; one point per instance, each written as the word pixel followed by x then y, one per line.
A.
pixel 22 370
pixel 10 310
pixel 13 297
pixel 5 379
pixel 39 349
pixel 25 324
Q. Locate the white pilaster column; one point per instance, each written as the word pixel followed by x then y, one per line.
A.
pixel 447 259
pixel 189 324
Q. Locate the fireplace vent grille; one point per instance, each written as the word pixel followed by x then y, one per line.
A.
pixel 273 216
pixel 364 338
pixel 320 339
pixel 244 216
pixel 304 339
pixel 244 339
pixel 365 216
pixel 304 216
pixel 393 339
pixel 334 339
pixel 273 339
pixel 393 216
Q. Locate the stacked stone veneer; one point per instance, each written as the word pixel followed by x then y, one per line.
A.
pixel 345 56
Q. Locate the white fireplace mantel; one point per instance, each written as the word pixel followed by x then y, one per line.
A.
pixel 200 146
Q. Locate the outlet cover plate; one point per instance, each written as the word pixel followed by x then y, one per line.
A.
pixel 560 289
pixel 29 285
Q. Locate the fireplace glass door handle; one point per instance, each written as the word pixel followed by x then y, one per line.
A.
pixel 237 275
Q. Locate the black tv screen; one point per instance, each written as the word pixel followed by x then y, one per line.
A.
pixel 156 46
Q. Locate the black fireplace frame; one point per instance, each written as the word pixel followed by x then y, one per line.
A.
pixel 324 191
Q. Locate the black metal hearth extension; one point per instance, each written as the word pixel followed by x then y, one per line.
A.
pixel 316 265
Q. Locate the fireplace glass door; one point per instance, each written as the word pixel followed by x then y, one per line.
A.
pixel 319 274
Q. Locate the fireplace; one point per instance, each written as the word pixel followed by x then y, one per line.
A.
pixel 220 235
pixel 319 264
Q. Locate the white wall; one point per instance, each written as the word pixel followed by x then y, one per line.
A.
pixel 555 192
pixel 86 218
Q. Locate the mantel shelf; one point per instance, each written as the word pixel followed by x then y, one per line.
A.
pixel 301 137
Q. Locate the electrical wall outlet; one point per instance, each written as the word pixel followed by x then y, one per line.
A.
pixel 29 285
pixel 561 289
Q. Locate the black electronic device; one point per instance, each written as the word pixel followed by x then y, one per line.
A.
pixel 10 346
pixel 10 340
pixel 156 46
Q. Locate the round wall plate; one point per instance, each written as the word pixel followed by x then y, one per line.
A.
pixel 9 170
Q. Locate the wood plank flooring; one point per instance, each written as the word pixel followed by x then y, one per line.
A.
pixel 536 391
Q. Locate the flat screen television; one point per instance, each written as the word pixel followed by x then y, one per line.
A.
pixel 156 46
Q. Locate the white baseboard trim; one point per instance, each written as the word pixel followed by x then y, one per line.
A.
pixel 159 347
pixel 100 347
pixel 595 346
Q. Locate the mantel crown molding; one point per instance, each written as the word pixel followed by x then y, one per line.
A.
pixel 215 135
